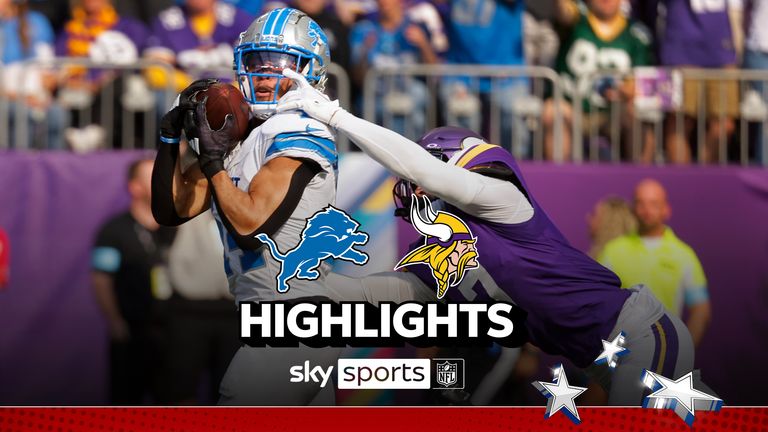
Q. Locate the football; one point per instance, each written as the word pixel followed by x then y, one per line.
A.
pixel 226 99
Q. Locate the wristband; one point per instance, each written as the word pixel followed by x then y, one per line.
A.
pixel 170 140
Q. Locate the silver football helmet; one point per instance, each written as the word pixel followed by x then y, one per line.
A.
pixel 282 38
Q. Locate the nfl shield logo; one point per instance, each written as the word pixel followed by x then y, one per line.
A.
pixel 446 373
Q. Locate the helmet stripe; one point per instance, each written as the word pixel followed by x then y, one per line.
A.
pixel 283 20
pixel 471 152
pixel 271 21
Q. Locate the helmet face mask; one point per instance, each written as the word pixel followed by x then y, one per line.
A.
pixel 282 38
pixel 402 193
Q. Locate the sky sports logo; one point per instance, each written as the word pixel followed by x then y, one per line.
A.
pixel 386 374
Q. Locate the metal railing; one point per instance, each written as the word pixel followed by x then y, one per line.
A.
pixel 721 96
pixel 488 86
pixel 105 94
pixel 513 119
pixel 110 104
pixel 618 130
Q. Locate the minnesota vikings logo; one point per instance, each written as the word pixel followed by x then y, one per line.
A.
pixel 449 247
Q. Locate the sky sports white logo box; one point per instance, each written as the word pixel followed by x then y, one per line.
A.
pixel 384 374
pixel 401 374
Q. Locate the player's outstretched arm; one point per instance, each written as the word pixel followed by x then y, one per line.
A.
pixel 273 194
pixel 472 192
pixel 177 195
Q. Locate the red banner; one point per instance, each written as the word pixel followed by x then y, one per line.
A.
pixel 370 419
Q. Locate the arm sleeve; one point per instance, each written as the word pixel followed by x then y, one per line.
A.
pixel 163 207
pixel 695 283
pixel 473 193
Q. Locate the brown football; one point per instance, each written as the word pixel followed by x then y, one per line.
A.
pixel 226 99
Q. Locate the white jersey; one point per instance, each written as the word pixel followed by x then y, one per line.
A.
pixel 252 274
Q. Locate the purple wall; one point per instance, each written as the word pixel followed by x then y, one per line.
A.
pixel 52 336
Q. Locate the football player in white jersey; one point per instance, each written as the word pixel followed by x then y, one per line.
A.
pixel 272 182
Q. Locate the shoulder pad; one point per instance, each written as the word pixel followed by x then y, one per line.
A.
pixel 295 122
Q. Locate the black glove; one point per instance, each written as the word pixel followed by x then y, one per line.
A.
pixel 174 120
pixel 214 144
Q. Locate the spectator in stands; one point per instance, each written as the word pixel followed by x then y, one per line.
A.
pixel 540 41
pixel 756 57
pixel 595 40
pixel 98 33
pixel 487 32
pixel 5 259
pixel 197 38
pixel 336 31
pixel 424 12
pixel 657 258
pixel 697 34
pixel 27 35
pixel 390 41
pixel 202 318
pixel 128 259
pixel 611 218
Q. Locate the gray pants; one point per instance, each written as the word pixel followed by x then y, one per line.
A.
pixel 261 376
pixel 657 341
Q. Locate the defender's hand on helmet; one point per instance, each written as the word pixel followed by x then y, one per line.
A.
pixel 304 97
pixel 179 116
pixel 213 144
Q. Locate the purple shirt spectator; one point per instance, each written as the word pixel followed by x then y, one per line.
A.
pixel 173 37
pixel 103 36
pixel 697 33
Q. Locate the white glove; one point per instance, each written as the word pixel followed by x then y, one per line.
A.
pixel 304 97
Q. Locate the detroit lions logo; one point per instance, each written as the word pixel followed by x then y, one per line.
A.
pixel 329 233
pixel 316 33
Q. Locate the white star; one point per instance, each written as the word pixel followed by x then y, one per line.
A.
pixel 612 351
pixel 560 395
pixel 678 395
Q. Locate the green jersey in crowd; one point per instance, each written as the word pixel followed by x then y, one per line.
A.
pixel 591 46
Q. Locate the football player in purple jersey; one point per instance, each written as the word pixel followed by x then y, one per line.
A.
pixel 572 302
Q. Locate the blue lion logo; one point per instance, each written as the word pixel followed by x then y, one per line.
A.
pixel 315 32
pixel 329 233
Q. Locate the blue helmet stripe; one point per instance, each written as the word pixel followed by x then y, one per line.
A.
pixel 271 21
pixel 282 21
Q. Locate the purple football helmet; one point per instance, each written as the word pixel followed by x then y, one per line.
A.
pixel 442 143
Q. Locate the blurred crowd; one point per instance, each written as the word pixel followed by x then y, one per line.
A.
pixel 593 45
